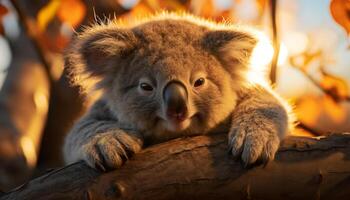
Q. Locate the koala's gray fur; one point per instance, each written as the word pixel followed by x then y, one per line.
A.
pixel 119 58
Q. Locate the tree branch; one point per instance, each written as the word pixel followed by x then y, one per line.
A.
pixel 201 168
pixel 27 25
pixel 275 42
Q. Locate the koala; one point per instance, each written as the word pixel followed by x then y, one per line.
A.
pixel 168 76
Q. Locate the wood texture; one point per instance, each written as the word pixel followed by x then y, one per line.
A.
pixel 201 168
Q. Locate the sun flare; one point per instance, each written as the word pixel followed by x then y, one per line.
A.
pixel 261 59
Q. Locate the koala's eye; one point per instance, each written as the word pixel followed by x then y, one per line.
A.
pixel 146 87
pixel 199 82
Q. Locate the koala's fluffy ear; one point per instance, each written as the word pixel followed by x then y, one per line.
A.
pixel 231 47
pixel 97 52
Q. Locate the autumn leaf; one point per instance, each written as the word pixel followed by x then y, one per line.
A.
pixel 157 5
pixel 72 12
pixel 261 5
pixel 61 42
pixel 340 10
pixel 203 8
pixel 3 12
pixel 335 86
pixel 152 4
pixel 308 110
pixel 333 110
pixel 321 113
pixel 223 16
pixel 172 5
pixel 47 14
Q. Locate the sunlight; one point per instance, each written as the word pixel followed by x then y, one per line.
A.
pixel 296 42
pixel 283 54
pixel 262 53
pixel 261 59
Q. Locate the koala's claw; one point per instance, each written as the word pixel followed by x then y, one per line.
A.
pixel 110 150
pixel 254 145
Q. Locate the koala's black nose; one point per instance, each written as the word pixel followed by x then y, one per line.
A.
pixel 175 100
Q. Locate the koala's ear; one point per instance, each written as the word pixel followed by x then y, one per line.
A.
pixel 98 51
pixel 231 47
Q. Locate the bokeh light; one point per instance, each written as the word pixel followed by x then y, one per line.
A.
pixel 296 42
pixel 262 53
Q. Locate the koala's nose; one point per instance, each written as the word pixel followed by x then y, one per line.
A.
pixel 175 100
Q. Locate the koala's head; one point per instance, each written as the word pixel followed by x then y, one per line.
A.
pixel 168 75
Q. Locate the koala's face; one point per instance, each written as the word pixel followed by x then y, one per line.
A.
pixel 167 77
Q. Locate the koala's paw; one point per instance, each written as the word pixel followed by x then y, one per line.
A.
pixel 109 150
pixel 253 142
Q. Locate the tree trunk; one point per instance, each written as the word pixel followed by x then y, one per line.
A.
pixel 200 168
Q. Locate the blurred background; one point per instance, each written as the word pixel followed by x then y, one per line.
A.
pixel 308 62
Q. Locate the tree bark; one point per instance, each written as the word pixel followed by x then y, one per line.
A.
pixel 201 168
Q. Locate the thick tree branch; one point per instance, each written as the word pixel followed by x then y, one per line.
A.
pixel 201 168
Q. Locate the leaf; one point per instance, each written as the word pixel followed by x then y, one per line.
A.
pixel 47 14
pixel 172 5
pixel 60 42
pixel 335 86
pixel 152 4
pixel 72 12
pixel 335 112
pixel 3 12
pixel 321 113
pixel 261 5
pixel 203 8
pixel 308 111
pixel 158 5
pixel 223 16
pixel 340 10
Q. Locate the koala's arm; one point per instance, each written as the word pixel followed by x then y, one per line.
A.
pixel 260 120
pixel 98 139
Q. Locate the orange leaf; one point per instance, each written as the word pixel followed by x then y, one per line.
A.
pixel 72 12
pixel 261 4
pixel 322 113
pixel 172 5
pixel 203 8
pixel 335 112
pixel 3 10
pixel 152 4
pixel 334 85
pixel 47 13
pixel 308 110
pixel 225 15
pixel 340 10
